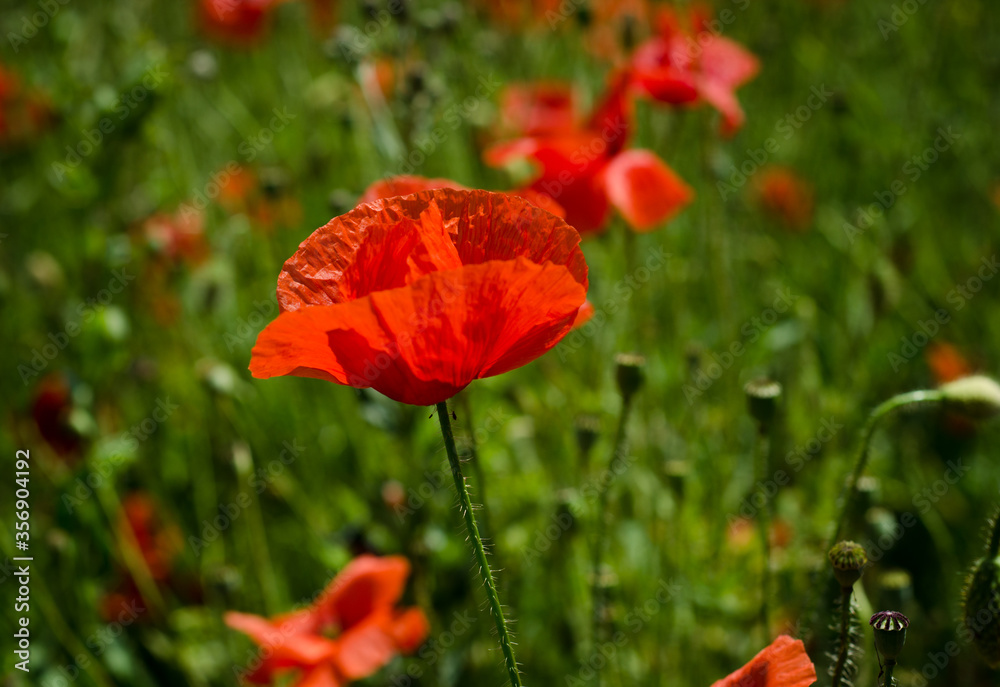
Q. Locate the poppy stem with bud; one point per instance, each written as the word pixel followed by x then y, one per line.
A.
pixel 477 545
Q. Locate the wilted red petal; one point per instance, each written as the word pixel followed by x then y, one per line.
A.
pixel 404 185
pixel 782 664
pixel 644 189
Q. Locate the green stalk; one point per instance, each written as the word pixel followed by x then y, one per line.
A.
pixel 477 545
pixel 889 665
pixel 764 527
pixel 861 460
pixel 845 631
pixel 596 595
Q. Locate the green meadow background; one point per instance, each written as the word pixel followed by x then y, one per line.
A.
pixel 272 486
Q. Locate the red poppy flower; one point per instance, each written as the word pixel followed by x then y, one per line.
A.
pixel 587 171
pixel 947 363
pixel 24 113
pixel 787 197
pixel 158 543
pixel 350 632
pixel 782 664
pixel 178 236
pixel 538 109
pixel 240 21
pixel 687 67
pixel 416 296
pixel 51 409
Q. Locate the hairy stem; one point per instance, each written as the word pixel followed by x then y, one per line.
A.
pixel 845 636
pixel 465 504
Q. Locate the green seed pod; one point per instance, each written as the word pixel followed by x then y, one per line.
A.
pixel 977 397
pixel 629 373
pixel 982 595
pixel 890 633
pixel 848 559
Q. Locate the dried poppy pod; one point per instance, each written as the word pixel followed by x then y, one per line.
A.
pixel 890 633
pixel 848 559
pixel 977 397
pixel 982 596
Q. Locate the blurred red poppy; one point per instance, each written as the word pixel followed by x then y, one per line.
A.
pixel 240 21
pixel 782 664
pixel 158 542
pixel 416 296
pixel 51 409
pixel 24 113
pixel 786 196
pixel 178 237
pixel 352 630
pixel 946 362
pixel 537 109
pixel 693 64
pixel 587 170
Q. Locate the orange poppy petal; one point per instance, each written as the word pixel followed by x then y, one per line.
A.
pixel 296 344
pixel 409 629
pixel 287 649
pixel 404 185
pixel 321 676
pixel 782 664
pixel 644 189
pixel 366 585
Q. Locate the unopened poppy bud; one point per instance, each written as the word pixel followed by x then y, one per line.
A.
pixel 890 633
pixel 981 596
pixel 848 559
pixel 629 373
pixel 588 429
pixel 977 397
pixel 762 399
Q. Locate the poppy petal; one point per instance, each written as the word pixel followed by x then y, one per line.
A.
pixel 424 343
pixel 299 649
pixel 723 99
pixel 584 314
pixel 409 629
pixel 367 584
pixel 644 189
pixel 782 664
pixel 727 63
pixel 404 185
pixel 365 649
pixel 320 676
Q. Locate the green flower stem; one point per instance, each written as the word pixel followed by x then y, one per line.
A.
pixel 477 545
pixel 861 460
pixel 889 665
pixel 764 529
pixel 596 595
pixel 845 632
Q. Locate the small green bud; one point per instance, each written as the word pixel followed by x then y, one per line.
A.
pixel 848 559
pixel 762 400
pixel 890 633
pixel 981 596
pixel 629 373
pixel 977 397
